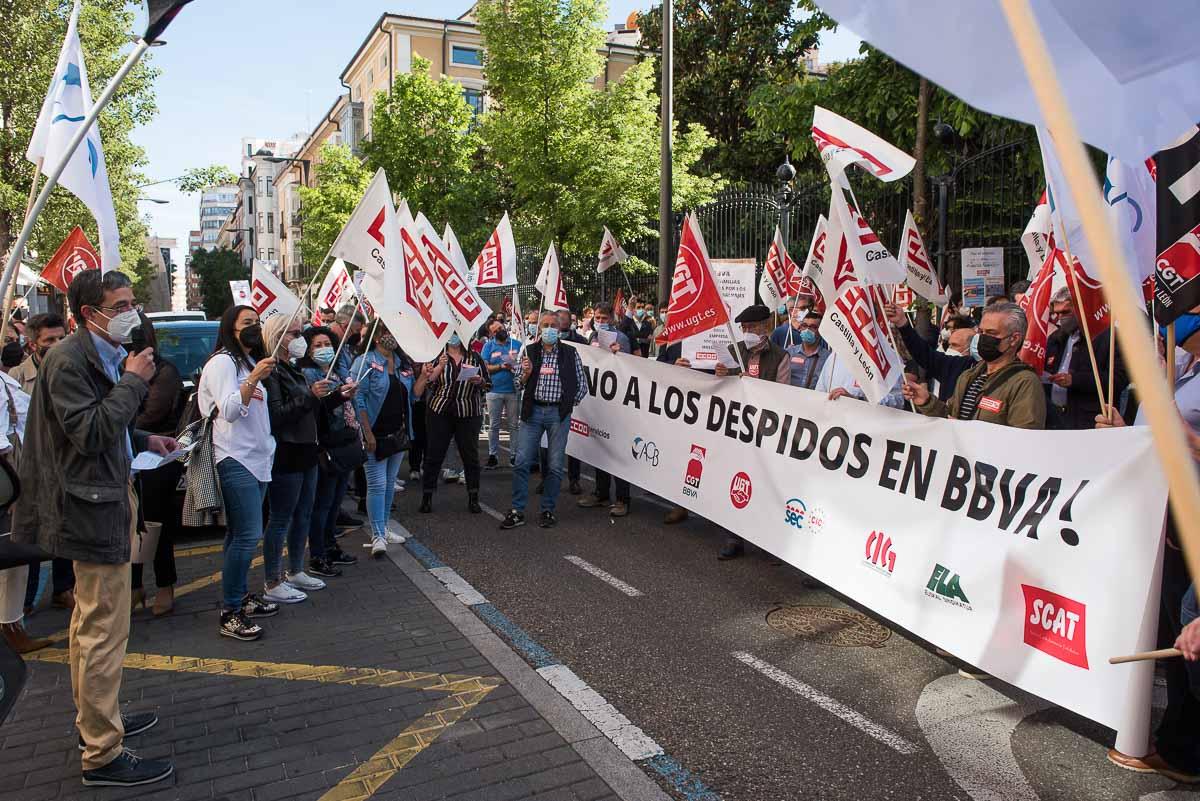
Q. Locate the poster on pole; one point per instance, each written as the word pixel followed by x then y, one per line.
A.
pixel 241 292
pixel 735 280
pixel 982 275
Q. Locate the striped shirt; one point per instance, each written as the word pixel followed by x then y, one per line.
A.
pixel 459 398
pixel 970 400
pixel 549 385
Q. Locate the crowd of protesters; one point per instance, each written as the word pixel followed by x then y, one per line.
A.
pixel 290 415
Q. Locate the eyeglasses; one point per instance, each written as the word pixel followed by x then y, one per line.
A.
pixel 121 308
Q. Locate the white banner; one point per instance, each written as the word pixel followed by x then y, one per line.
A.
pixel 735 281
pixel 336 287
pixel 1030 554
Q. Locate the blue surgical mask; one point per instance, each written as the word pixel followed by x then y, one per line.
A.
pixel 1185 326
pixel 808 336
pixel 550 336
pixel 531 329
pixel 322 355
pixel 640 313
pixel 455 340
pixel 782 309
pixel 975 348
pixel 605 326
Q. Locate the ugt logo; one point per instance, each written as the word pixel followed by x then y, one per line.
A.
pixel 879 554
pixel 946 587
pixel 645 451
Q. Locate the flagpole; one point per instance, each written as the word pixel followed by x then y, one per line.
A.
pixel 1170 353
pixel 1166 427
pixel 1112 359
pixel 307 293
pixel 357 308
pixel 358 378
pixel 8 299
pixel 14 257
pixel 1073 280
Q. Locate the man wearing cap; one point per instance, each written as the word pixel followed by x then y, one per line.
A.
pixel 763 359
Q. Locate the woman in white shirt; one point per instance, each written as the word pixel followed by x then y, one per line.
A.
pixel 232 393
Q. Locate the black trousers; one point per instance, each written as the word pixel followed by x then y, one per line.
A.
pixel 603 483
pixel 416 451
pixel 439 430
pixel 1178 735
pixel 160 504
pixel 62 578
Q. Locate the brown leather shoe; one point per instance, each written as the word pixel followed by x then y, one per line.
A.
pixel 1160 766
pixel 19 640
pixel 1127 762
pixel 676 515
pixel 63 600
pixel 618 509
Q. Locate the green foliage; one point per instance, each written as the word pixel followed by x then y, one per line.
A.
pixel 421 134
pixel 216 269
pixel 140 273
pixel 724 50
pixel 31 34
pixel 198 179
pixel 339 180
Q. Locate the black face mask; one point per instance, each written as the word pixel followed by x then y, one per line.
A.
pixel 989 347
pixel 502 335
pixel 251 337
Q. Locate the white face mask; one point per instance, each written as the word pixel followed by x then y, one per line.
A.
pixel 120 328
pixel 751 339
pixel 297 348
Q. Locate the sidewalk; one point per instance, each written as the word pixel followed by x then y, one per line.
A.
pixel 381 686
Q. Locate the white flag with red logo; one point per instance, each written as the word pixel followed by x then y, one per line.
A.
pixel 696 303
pixel 496 264
pixel 921 277
pixel 549 283
pixel 466 308
pixel 854 326
pixel 1036 237
pixel 781 275
pixel 610 252
pixel 364 240
pixel 1036 305
pixel 457 257
pixel 842 143
pixel 268 295
pixel 412 304
pixel 337 287
pixel 873 263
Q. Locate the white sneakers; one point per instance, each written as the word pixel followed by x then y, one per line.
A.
pixel 378 547
pixel 394 537
pixel 399 485
pixel 305 582
pixel 284 593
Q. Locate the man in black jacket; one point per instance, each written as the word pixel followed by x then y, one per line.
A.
pixel 1071 400
pixel 944 368
pixel 79 504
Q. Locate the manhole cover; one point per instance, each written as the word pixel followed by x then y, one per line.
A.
pixel 829 625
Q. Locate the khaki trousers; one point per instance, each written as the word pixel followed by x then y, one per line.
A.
pixel 99 634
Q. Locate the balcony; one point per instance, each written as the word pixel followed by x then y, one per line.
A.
pixel 297 219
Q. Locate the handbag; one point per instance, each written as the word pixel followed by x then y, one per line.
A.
pixel 391 444
pixel 203 504
pixel 342 453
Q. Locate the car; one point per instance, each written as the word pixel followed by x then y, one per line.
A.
pixel 187 343
pixel 174 316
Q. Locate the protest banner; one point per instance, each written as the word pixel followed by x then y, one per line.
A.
pixel 735 280
pixel 241 292
pixel 1029 554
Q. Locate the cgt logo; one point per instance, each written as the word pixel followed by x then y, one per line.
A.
pixel 794 513
pixel 581 428
pixel 645 451
pixel 1056 625
pixel 695 469
pixel 879 554
pixel 947 588
pixel 740 490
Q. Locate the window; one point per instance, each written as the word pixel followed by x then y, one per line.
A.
pixel 466 56
pixel 474 98
pixel 270 222
pixel 270 254
pixel 357 93
pixel 370 77
pixel 383 62
pixel 249 150
pixel 260 221
pixel 260 254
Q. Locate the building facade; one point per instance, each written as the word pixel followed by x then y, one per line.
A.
pixel 158 250
pixel 216 203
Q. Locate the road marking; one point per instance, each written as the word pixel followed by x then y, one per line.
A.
pixel 607 578
pixel 465 692
pixel 969 725
pixel 831 705
pixel 632 741
pixel 458 585
pixel 490 511
pixel 199 550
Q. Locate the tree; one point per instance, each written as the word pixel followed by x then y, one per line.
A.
pixel 216 269
pixel 339 180
pixel 31 34
pixel 724 50
pixel 198 179
pixel 422 136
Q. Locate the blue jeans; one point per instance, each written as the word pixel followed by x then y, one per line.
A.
pixel 529 439
pixel 381 489
pixel 502 404
pixel 291 497
pixel 331 488
pixel 243 495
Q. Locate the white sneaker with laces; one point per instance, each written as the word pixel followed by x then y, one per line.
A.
pixel 284 593
pixel 394 537
pixel 378 547
pixel 303 581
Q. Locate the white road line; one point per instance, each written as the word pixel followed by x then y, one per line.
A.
pixel 632 741
pixel 644 496
pixel 490 511
pixel 607 578
pixel 458 585
pixel 884 735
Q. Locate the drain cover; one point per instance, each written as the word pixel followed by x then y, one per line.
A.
pixel 829 625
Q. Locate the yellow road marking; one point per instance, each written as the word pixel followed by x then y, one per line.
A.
pixel 465 692
pixel 199 550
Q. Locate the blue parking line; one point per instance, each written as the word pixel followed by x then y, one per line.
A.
pixel 682 779
pixel 426 557
pixel 538 656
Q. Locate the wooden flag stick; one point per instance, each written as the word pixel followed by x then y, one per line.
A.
pixel 1073 280
pixel 1165 653
pixel 1166 427
pixel 1170 353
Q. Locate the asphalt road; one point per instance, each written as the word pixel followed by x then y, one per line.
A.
pixel 761 712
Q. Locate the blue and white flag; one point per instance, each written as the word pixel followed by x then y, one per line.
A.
pixel 66 106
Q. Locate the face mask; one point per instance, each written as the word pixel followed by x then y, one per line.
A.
pixel 297 348
pixel 808 336
pixel 605 326
pixel 502 335
pixel 782 310
pixel 387 341
pixel 1068 323
pixel 550 336
pixel 944 337
pixel 455 340
pixel 1185 326
pixel 751 339
pixel 974 348
pixel 531 329
pixel 251 337
pixel 120 328
pixel 323 355
pixel 989 347
pixel 640 313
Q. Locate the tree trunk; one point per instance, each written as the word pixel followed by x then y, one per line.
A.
pixel 920 190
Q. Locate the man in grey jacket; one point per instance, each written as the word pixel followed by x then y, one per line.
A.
pixel 80 505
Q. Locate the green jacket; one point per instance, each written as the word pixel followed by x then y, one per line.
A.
pixel 1013 396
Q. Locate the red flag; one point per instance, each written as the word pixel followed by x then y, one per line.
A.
pixel 618 305
pixel 73 256
pixel 696 305
pixel 1036 305
pixel 1095 307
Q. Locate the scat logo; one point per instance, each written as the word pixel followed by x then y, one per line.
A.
pixel 1056 625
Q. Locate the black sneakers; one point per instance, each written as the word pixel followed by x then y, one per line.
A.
pixel 128 770
pixel 492 462
pixel 323 567
pixel 239 627
pixel 473 503
pixel 512 520
pixel 255 606
pixel 134 724
pixel 339 557
pixel 547 520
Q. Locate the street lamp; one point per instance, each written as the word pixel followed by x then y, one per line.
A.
pixel 785 174
pixel 157 200
pixel 304 164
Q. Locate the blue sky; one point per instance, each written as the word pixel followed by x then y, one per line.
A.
pixel 230 71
